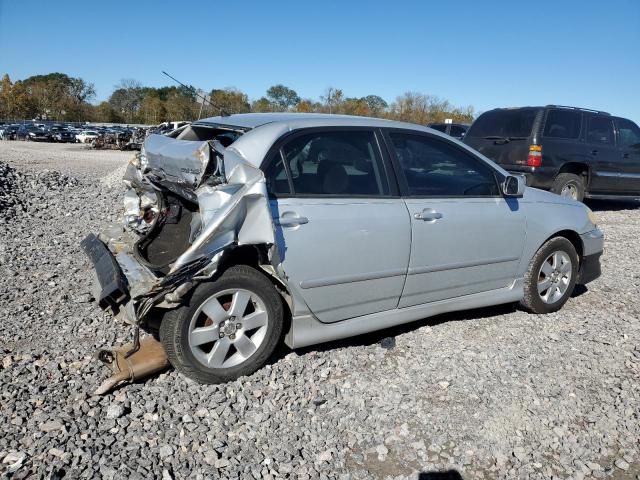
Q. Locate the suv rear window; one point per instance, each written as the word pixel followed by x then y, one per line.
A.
pixel 504 123
pixel 562 124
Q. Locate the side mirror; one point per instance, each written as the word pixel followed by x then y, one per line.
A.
pixel 514 186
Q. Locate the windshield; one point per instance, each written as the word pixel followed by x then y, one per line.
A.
pixel 516 123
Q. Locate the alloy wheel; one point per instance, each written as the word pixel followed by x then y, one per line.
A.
pixel 228 328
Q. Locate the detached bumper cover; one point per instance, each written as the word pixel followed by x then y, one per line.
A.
pixel 114 289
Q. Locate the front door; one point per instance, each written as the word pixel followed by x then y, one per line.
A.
pixel 629 151
pixel 343 239
pixel 605 157
pixel 465 237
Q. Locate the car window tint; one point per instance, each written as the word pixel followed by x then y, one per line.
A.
pixel 562 124
pixel 504 123
pixel 600 130
pixel 336 163
pixel 276 176
pixel 437 168
pixel 439 126
pixel 628 132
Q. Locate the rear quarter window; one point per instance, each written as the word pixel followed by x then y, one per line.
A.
pixel 562 124
pixel 504 123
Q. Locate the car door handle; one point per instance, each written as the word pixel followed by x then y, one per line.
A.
pixel 291 220
pixel 428 215
pixel 594 152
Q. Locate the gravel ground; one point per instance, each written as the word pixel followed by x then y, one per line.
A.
pixel 492 393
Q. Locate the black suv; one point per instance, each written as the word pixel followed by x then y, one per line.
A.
pixel 571 151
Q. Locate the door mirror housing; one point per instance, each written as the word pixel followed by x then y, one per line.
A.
pixel 514 186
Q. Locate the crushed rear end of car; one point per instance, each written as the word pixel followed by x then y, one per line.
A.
pixel 191 202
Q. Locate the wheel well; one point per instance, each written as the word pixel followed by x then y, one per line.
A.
pixel 254 256
pixel 575 168
pixel 573 237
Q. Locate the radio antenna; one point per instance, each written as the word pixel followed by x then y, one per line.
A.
pixel 223 112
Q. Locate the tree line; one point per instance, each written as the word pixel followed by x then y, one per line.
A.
pixel 57 96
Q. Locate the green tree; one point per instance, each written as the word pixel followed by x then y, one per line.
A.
pixel 262 105
pixel 127 98
pixel 283 98
pixel 229 100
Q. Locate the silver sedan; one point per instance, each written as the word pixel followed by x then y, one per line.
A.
pixel 261 228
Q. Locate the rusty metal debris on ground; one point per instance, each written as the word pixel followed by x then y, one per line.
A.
pixel 148 359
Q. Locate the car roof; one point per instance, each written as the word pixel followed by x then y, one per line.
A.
pixel 264 129
pixel 302 120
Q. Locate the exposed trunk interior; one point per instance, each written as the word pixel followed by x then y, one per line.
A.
pixel 170 235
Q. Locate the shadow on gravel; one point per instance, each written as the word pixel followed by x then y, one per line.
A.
pixel 447 475
pixel 376 337
pixel 611 205
pixel 579 290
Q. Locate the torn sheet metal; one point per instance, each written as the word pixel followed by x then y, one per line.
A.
pixel 177 161
pixel 236 212
pixel 232 204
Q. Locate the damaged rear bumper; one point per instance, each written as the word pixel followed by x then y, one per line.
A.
pixel 120 279
pixel 112 286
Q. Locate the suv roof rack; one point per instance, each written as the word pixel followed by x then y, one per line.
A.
pixel 580 108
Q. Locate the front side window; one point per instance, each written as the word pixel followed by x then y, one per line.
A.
pixel 340 163
pixel 437 168
pixel 628 133
pixel 562 124
pixel 600 130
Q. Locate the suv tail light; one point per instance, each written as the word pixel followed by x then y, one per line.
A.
pixel 535 156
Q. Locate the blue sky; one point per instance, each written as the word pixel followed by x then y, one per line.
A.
pixel 486 54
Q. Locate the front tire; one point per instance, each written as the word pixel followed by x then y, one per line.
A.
pixel 569 185
pixel 551 276
pixel 227 329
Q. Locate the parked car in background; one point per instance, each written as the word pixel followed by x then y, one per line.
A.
pixel 87 136
pixel 37 134
pixel 574 152
pixel 455 130
pixel 9 132
pixel 62 135
pixel 256 227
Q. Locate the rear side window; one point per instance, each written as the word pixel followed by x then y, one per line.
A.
pixel 344 163
pixel 562 124
pixel 504 123
pixel 437 168
pixel 628 132
pixel 440 127
pixel 600 130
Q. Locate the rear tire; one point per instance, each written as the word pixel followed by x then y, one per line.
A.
pixel 551 276
pixel 569 185
pixel 229 340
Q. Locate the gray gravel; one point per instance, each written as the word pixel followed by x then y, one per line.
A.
pixel 492 393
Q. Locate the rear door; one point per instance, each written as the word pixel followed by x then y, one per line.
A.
pixel 628 140
pixel 466 238
pixel 605 163
pixel 343 233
